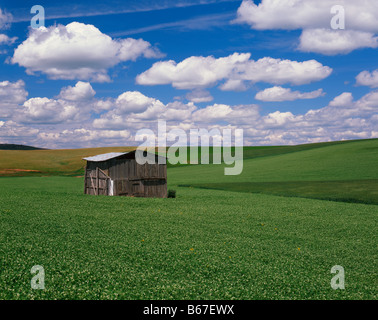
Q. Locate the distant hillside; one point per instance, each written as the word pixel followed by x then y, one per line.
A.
pixel 261 163
pixel 68 162
pixel 344 171
pixel 17 147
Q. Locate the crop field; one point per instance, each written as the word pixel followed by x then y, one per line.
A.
pixel 345 172
pixel 270 233
pixel 48 162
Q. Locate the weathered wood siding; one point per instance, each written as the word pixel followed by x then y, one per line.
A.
pixel 129 178
pixel 96 182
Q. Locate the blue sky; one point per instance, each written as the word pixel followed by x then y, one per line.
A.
pixel 281 74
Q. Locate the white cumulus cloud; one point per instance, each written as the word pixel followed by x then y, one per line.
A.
pixel 200 72
pixel 224 113
pixel 80 92
pixel 13 132
pixel 130 106
pixel 11 95
pixel 314 18
pixel 233 85
pixel 198 96
pixel 134 101
pixel 48 111
pixel 331 42
pixel 343 100
pixel 77 51
pixel 60 122
pixel 278 71
pixel 193 72
pixel 285 94
pixel 366 78
pixel 305 14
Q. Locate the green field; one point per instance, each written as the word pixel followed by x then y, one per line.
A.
pixel 345 172
pixel 253 236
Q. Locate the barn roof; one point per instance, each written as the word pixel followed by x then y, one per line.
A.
pixel 111 155
pixel 105 156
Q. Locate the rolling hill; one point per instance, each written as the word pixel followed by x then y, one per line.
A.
pixel 252 236
pixel 62 162
pixel 17 147
pixel 344 171
pixel 340 171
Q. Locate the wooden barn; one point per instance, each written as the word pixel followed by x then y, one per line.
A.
pixel 119 174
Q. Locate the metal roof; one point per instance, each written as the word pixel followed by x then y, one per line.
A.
pixel 112 155
pixel 105 156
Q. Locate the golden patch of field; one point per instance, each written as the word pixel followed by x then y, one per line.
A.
pixel 7 171
pixel 61 161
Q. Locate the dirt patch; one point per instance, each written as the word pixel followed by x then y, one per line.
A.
pixel 10 171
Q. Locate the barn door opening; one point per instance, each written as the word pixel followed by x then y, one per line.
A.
pixel 99 183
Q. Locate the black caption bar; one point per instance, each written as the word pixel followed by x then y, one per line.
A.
pixel 179 309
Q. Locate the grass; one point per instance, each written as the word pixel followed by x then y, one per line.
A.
pixel 205 244
pixel 68 162
pixel 252 236
pixel 340 172
pixel 60 162
pixel 267 151
pixel 354 191
pixel 345 161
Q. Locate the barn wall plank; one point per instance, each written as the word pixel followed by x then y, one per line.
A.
pixel 130 178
